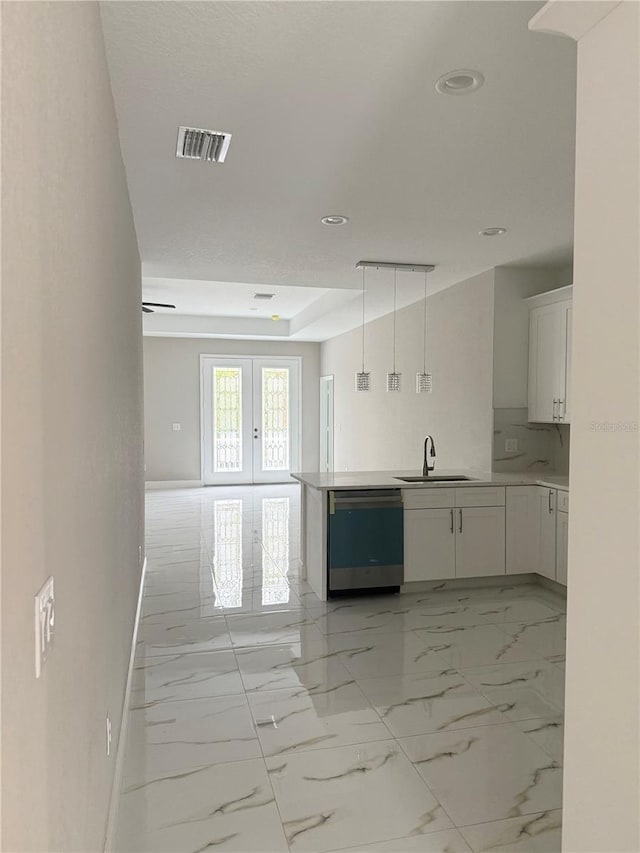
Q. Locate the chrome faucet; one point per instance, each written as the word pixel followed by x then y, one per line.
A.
pixel 425 465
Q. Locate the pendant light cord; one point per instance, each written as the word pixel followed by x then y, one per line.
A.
pixel 424 363
pixel 395 292
pixel 363 293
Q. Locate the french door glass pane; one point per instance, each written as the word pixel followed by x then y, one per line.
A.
pixel 275 418
pixel 228 552
pixel 227 409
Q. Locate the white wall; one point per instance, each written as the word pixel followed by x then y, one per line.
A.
pixel 381 431
pixel 602 747
pixel 172 395
pixel 72 484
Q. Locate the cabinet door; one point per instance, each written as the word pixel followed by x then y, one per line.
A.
pixel 562 543
pixel 521 546
pixel 546 532
pixel 546 366
pixel 567 339
pixel 480 541
pixel 429 544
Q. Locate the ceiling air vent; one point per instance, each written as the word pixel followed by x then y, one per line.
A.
pixel 263 295
pixel 197 144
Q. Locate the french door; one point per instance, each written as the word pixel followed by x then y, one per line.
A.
pixel 250 419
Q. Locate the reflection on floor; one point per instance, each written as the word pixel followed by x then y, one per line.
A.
pixel 264 720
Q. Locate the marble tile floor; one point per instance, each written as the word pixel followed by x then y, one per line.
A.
pixel 262 719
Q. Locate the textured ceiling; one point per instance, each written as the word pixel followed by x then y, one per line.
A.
pixel 332 109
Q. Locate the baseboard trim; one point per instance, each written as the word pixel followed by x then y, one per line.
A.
pixel 553 586
pixel 483 581
pixel 172 484
pixel 114 804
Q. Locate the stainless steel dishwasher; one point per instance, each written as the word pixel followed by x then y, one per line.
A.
pixel 365 548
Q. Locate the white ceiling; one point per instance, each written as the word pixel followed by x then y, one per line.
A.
pixel 332 109
pixel 230 299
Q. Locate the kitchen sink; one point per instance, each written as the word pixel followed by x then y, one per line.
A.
pixel 434 478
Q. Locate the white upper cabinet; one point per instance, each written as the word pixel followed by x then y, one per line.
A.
pixel 550 316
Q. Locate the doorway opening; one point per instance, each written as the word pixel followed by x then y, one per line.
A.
pixel 326 423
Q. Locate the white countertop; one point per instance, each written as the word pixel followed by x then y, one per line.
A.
pixel 387 480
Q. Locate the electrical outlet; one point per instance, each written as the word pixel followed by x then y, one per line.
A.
pixel 44 622
pixel 511 445
pixel 108 735
pixel 176 427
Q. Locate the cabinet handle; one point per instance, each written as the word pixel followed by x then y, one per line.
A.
pixel 564 408
pixel 550 496
pixel 555 414
pixel 460 521
pixel 451 511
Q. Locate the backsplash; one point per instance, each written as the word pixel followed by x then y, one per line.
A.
pixel 541 447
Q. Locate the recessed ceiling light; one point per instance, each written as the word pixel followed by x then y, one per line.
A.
pixel 460 82
pixel 492 232
pixel 334 219
pixel 275 317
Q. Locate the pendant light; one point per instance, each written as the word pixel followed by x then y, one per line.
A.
pixel 423 380
pixel 393 378
pixel 363 377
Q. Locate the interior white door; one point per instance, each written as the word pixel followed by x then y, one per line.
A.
pixel 326 423
pixel 250 419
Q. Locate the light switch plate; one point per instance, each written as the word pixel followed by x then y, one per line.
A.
pixel 176 427
pixel 511 445
pixel 44 623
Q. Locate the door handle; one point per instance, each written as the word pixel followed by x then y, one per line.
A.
pixel 460 528
pixel 451 511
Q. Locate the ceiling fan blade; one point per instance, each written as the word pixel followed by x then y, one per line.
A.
pixel 159 304
pixel 147 310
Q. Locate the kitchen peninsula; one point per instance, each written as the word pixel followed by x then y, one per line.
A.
pixel 489 524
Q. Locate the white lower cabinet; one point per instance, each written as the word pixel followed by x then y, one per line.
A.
pixel 525 535
pixel 480 541
pixel 458 541
pixel 545 533
pixel 536 531
pixel 429 544
pixel 562 543
pixel 522 551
